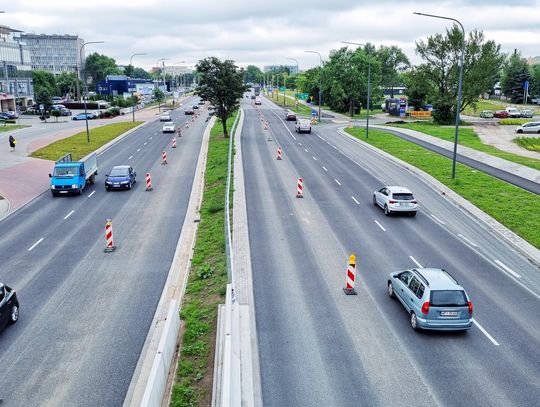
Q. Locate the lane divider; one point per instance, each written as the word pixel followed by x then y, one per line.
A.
pixel 35 244
pixel 69 214
pixel 350 276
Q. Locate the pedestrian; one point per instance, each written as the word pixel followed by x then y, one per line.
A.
pixel 12 142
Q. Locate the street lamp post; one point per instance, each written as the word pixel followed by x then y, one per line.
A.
pixel 157 81
pixel 86 87
pixel 132 89
pixel 460 81
pixel 368 84
pixel 172 76
pixel 320 80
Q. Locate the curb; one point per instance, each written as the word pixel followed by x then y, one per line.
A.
pixel 530 252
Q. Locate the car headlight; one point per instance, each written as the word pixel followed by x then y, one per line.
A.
pixel 108 182
pixel 74 186
pixel 124 182
pixel 53 186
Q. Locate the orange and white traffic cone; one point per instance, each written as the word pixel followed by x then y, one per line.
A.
pixel 164 158
pixel 173 143
pixel 300 188
pixel 351 275
pixel 279 153
pixel 148 182
pixel 110 247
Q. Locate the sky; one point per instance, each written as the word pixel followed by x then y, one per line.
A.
pixel 267 32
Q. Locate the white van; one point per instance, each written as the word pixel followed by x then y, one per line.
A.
pixel 302 125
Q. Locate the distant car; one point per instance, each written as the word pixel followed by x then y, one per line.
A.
pixel 9 306
pixel 202 102
pixel 195 106
pixel 57 99
pixel 84 116
pixel 258 100
pixel 103 104
pixel 531 127
pixel 189 111
pixel 526 113
pixel 165 117
pixel 253 96
pixel 486 114
pixel 433 299
pixel 290 117
pixel 501 114
pixel 120 176
pixel 169 127
pixel 302 125
pixel 513 112
pixel 63 110
pixel 394 199
pixel 9 114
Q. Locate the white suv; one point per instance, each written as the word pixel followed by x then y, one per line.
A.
pixel 513 112
pixel 302 125
pixel 395 199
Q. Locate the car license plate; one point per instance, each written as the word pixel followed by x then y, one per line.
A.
pixel 404 203
pixel 63 192
pixel 449 314
pixel 116 185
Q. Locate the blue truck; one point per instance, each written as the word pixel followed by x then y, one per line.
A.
pixel 71 177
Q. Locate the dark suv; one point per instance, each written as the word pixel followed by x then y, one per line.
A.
pixel 9 306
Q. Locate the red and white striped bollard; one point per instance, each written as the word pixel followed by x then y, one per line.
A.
pixel 110 247
pixel 164 158
pixel 279 153
pixel 173 143
pixel 351 275
pixel 148 182
pixel 300 188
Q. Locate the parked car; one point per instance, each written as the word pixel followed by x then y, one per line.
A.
pixel 302 125
pixel 84 116
pixel 433 299
pixel 530 127
pixel 120 176
pixel 202 102
pixel 165 117
pixel 501 114
pixel 169 127
pixel 513 112
pixel 195 106
pixel 394 199
pixel 9 306
pixel 62 109
pixel 253 96
pixel 526 113
pixel 486 114
pixel 10 114
pixel 57 99
pixel 103 104
pixel 189 112
pixel 290 116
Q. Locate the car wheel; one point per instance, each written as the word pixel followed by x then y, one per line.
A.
pixel 14 314
pixel 129 185
pixel 414 322
pixel 54 193
pixel 520 131
pixel 107 189
pixel 391 290
pixel 386 210
pixel 374 200
pixel 412 214
pixel 538 132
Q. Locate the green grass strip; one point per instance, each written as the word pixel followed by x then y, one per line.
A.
pixel 206 284
pixel 468 138
pixel 514 207
pixel 514 122
pixel 530 143
pixel 10 127
pixel 77 144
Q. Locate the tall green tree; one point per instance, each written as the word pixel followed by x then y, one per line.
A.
pixel 440 71
pixel 253 74
pixel 515 74
pixel 140 73
pixel 222 84
pixel 393 63
pixel 535 85
pixel 67 82
pixel 99 66
pixel 308 82
pixel 44 81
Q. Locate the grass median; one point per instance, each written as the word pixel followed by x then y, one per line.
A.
pixel 468 138
pixel 514 207
pixel 10 127
pixel 206 284
pixel 77 144
pixel 530 143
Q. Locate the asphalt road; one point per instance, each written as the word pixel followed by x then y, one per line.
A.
pixel 85 314
pixel 319 347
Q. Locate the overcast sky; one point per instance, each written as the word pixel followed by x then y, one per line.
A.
pixel 267 32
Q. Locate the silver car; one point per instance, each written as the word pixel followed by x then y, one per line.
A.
pixel 393 199
pixel 433 299
pixel 531 127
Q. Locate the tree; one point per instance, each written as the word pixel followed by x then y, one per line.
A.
pixel 534 89
pixel 393 63
pixel 253 74
pixel 67 82
pixel 140 73
pixel 99 66
pixel 44 81
pixel 56 114
pixel 221 83
pixel 481 67
pixel 515 74
pixel 308 82
pixel 416 90
pixel 158 95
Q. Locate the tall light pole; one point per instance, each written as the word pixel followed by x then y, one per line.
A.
pixel 157 81
pixel 132 89
pixel 175 64
pixel 86 87
pixel 458 108
pixel 320 80
pixel 368 83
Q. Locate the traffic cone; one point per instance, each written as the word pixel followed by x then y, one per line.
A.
pixel 164 158
pixel 148 182
pixel 351 274
pixel 300 188
pixel 110 247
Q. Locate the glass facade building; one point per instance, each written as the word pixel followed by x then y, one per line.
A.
pixel 54 53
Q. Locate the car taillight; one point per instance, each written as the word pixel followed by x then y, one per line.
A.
pixel 425 308
pixel 392 201
pixel 470 307
pixel 414 202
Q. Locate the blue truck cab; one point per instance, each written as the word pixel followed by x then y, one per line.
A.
pixel 71 177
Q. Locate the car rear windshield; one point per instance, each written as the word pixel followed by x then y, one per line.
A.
pixel 446 298
pixel 403 196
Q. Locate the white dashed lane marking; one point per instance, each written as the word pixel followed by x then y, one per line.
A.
pixel 35 244
pixel 69 214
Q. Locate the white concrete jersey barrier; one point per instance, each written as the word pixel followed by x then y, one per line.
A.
pixel 157 381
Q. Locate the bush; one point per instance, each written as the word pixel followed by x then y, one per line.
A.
pixel 509 122
pixel 114 111
pixel 205 271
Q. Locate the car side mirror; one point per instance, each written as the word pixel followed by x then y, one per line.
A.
pixel 50 175
pixel 396 276
pixel 106 175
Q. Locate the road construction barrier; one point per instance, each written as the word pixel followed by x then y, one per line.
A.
pixel 300 188
pixel 173 143
pixel 279 153
pixel 148 182
pixel 164 158
pixel 351 275
pixel 266 125
pixel 110 247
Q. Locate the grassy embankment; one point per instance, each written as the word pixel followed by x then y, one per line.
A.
pixel 468 138
pixel 10 127
pixel 206 284
pixel 514 207
pixel 77 145
pixel 530 143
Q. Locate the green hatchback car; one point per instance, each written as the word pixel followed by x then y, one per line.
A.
pixel 486 114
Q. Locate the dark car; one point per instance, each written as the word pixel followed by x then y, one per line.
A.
pixel 253 96
pixel 84 116
pixel 290 117
pixel 9 306
pixel 120 177
pixel 501 114
pixel 202 102
pixel 195 106
pixel 189 111
pixel 10 115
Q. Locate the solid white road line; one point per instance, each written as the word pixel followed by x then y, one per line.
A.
pixel 355 200
pixel 314 158
pixel 299 143
pixel 150 138
pixel 437 219
pixel 383 229
pixel 35 244
pixel 485 332
pixel 324 168
pixel 292 135
pixel 414 260
pixel 306 150
pixel 467 240
pixel 69 214
pixel 337 182
pixel 145 143
pixel 92 193
pixel 130 157
pixel 320 137
pixel 138 149
pixel 507 269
